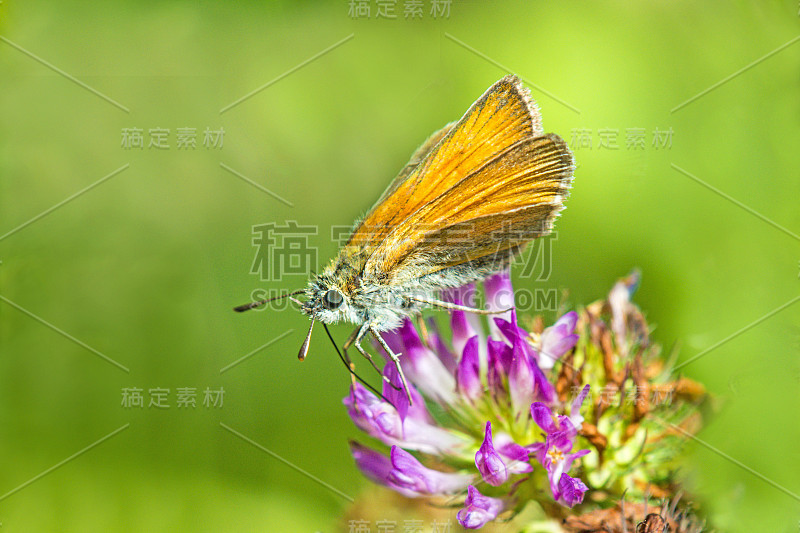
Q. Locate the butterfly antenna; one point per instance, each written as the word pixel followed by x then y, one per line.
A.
pixel 349 369
pixel 259 303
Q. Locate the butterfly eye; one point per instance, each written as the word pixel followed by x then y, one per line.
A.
pixel 332 299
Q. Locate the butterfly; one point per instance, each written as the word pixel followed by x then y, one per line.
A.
pixel 469 200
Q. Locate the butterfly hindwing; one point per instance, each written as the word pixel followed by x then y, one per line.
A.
pixel 502 205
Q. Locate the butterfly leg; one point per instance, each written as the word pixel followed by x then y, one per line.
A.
pixel 347 361
pixel 355 339
pixel 449 305
pixel 395 358
pixel 351 367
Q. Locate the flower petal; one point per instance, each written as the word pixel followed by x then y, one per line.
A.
pixel 463 329
pixel 438 345
pixel 570 490
pixel 394 390
pixel 500 355
pixel 479 509
pixel 545 390
pixel 523 378
pixel 543 417
pixel 575 415
pixel 499 291
pixel 571 458
pixel 373 416
pixel 498 364
pixel 489 463
pixel 463 325
pixel 396 394
pixel 468 372
pixel 519 340
pixel 463 295
pixel 381 420
pixel 518 458
pixel 408 473
pixel 619 299
pixel 423 368
pixel 499 296
pixel 557 340
pixel 376 466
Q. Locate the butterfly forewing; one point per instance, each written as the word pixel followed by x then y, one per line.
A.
pixel 503 116
pixel 415 160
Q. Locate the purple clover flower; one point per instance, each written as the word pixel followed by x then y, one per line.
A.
pixel 555 453
pixel 557 340
pixel 491 389
pixel 489 463
pixel 479 509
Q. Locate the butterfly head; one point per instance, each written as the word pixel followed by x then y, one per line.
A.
pixel 326 301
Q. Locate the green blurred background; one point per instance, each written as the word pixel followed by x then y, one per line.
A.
pixel 145 267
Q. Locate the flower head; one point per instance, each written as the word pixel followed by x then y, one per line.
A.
pixel 502 415
pixel 489 384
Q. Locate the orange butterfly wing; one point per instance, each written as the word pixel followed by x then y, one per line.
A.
pixel 415 160
pixel 488 184
pixel 506 203
pixel 504 115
